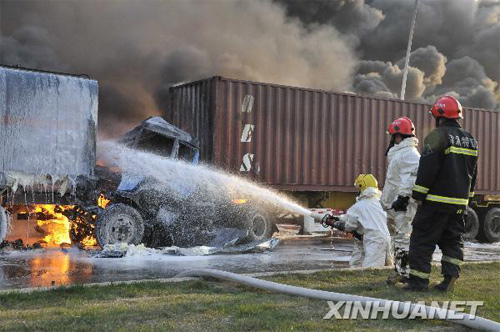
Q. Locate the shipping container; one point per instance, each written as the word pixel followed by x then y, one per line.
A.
pixel 307 140
pixel 310 140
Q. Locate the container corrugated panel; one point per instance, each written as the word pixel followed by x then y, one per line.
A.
pixel 48 123
pixel 309 140
pixel 485 126
pixel 192 109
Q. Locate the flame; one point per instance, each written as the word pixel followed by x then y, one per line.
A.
pixel 102 201
pixel 89 241
pixel 239 201
pixel 57 225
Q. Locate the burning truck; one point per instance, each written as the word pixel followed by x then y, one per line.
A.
pixel 54 191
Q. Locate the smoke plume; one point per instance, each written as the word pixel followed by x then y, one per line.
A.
pixel 137 50
pixel 449 35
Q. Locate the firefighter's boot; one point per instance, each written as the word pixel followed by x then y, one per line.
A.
pixel 394 278
pixel 416 284
pixel 447 284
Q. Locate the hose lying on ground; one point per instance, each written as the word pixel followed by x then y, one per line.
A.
pixel 477 323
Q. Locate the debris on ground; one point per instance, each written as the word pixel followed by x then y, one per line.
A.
pixel 120 250
pixel 288 229
pixel 18 245
pixel 228 236
pixel 251 247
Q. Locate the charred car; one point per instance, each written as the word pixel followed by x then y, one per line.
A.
pixel 139 213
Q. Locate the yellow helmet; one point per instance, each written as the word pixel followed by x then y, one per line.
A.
pixel 364 181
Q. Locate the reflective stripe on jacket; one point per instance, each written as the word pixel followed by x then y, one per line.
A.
pixel 448 168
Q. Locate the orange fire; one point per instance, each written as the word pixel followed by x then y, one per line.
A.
pixel 102 201
pixel 89 241
pixel 55 224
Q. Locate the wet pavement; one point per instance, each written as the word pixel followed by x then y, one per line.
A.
pixel 73 266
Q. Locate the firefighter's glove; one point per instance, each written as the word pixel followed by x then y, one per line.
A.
pixel 401 203
pixel 339 224
pixel 357 235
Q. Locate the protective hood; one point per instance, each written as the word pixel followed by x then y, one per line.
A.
pixel 410 142
pixel 367 216
pixel 369 193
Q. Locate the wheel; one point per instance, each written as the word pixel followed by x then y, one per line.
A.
pixel 489 230
pixel 471 224
pixel 259 226
pixel 120 223
pixel 3 224
pixel 156 235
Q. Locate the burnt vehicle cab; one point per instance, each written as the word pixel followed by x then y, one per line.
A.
pixel 182 214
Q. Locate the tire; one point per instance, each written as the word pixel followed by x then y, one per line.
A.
pixel 259 226
pixel 489 230
pixel 3 224
pixel 156 235
pixel 119 223
pixel 471 224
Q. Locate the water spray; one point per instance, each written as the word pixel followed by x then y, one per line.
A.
pixel 179 177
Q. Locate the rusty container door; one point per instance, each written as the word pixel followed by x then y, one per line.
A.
pixel 484 125
pixel 192 108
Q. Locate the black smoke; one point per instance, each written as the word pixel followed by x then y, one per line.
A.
pixel 137 49
pixel 449 34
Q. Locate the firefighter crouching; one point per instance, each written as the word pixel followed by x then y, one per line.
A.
pixel 368 222
pixel 445 181
pixel 403 158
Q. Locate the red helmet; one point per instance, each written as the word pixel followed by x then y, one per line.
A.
pixel 402 126
pixel 447 107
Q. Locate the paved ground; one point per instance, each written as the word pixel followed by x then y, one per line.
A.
pixel 55 266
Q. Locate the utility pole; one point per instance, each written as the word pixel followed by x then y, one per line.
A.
pixel 408 51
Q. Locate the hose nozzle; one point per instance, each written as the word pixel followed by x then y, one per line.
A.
pixel 327 221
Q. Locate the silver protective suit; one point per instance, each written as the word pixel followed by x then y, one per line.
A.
pixel 368 218
pixel 400 180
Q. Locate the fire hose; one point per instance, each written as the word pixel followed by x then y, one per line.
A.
pixel 473 322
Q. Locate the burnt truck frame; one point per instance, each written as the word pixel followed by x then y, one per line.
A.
pixel 136 213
